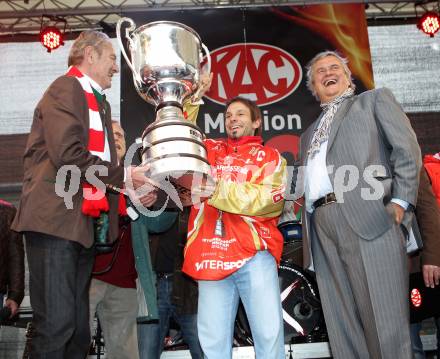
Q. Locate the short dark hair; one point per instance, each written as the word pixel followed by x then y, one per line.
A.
pixel 253 108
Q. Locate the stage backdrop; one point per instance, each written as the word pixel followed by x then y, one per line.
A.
pixel 261 53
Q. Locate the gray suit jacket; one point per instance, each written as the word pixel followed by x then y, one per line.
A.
pixel 371 137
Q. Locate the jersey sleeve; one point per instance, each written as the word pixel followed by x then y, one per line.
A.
pixel 262 196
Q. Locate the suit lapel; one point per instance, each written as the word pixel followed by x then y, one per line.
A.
pixel 339 118
pixel 104 112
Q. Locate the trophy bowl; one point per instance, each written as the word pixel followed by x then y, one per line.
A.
pixel 166 60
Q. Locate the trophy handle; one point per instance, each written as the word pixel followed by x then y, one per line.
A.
pixel 208 57
pixel 196 95
pixel 130 41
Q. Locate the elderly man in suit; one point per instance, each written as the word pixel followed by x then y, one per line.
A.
pixel 71 144
pixel 361 172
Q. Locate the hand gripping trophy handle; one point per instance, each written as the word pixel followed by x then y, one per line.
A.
pixel 132 27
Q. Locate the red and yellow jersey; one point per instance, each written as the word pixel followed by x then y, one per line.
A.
pixel 242 215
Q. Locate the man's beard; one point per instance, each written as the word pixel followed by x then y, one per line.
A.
pixel 234 135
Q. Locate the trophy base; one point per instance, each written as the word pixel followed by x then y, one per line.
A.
pixel 174 149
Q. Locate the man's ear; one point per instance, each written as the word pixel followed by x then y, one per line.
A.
pixel 256 124
pixel 89 54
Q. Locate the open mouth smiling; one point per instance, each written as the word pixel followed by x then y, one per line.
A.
pixel 330 82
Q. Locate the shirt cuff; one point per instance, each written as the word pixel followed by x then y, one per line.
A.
pixel 400 202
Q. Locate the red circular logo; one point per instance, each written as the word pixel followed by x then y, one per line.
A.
pixel 416 298
pixel 263 73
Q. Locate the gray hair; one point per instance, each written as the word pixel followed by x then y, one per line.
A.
pixel 92 38
pixel 318 57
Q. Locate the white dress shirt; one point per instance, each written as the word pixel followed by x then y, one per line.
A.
pixel 317 179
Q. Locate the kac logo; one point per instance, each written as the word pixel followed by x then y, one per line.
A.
pixel 261 72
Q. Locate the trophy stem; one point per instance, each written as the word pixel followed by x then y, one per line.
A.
pixel 169 111
pixel 174 149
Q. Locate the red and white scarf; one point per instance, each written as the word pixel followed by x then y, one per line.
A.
pixel 94 201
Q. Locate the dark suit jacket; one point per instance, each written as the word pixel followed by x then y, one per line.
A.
pixel 370 129
pixel 59 136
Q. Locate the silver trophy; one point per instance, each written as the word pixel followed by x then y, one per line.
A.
pixel 166 62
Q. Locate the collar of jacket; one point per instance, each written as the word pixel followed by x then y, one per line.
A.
pixel 244 140
pixel 99 96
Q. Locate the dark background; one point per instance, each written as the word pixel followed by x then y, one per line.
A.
pixel 218 28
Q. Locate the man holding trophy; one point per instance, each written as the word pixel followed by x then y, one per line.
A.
pixel 71 141
pixel 236 187
pixel 233 244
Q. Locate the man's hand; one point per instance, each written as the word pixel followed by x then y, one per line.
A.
pixel 141 189
pixel 206 190
pixel 431 275
pixel 143 197
pixel 12 305
pixel 395 211
pixel 205 85
pixel 136 176
pixel 148 199
pixel 199 193
pixel 146 195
